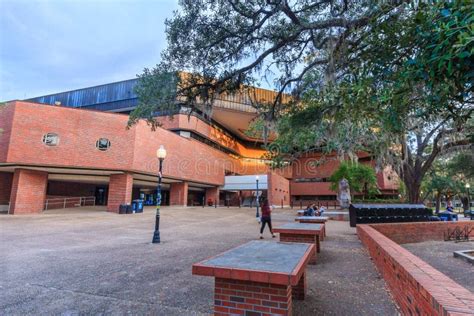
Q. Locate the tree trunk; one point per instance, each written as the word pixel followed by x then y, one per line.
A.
pixel 412 176
pixel 438 202
pixel 413 187
pixel 465 202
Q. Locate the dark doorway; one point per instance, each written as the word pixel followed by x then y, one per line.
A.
pixel 196 198
pixel 101 195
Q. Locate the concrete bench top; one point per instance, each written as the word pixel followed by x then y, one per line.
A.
pixel 312 218
pixel 299 228
pixel 260 261
pixel 328 212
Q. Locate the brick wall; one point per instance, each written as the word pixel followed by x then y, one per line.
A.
pixel 278 189
pixel 131 149
pixel 212 194
pixel 120 191
pixel 179 194
pixel 192 123
pixel 134 149
pixel 417 287
pixel 6 180
pixel 28 191
pixel 403 233
pixel 312 166
pixel 311 188
pixel 234 297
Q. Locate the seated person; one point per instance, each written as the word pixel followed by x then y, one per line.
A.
pixel 322 209
pixel 309 211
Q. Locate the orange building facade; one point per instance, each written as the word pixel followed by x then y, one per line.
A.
pixel 52 152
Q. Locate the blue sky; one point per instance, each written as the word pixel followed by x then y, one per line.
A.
pixel 58 45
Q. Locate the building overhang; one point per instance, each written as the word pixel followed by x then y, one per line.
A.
pixel 245 183
pixel 98 176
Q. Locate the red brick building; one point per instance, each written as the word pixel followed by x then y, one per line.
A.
pixel 80 149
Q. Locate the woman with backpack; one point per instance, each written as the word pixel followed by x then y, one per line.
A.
pixel 266 217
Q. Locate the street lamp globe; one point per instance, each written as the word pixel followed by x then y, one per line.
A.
pixel 161 152
pixel 468 185
pixel 257 177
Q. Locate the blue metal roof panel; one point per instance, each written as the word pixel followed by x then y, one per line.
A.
pixel 107 93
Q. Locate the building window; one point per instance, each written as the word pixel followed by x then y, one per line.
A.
pixel 51 139
pixel 311 180
pixel 185 134
pixel 102 144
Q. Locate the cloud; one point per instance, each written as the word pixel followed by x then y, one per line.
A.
pixel 53 46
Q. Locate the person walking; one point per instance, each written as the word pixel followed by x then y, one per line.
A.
pixel 266 217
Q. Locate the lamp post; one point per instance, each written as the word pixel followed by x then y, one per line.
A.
pixel 161 154
pixel 257 214
pixel 468 186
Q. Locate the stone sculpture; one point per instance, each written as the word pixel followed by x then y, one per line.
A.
pixel 344 194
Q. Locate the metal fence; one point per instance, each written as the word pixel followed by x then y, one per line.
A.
pixel 66 202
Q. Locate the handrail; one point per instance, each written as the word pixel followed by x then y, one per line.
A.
pixel 7 203
pixel 75 201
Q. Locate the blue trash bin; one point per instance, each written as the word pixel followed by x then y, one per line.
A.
pixel 448 216
pixel 139 206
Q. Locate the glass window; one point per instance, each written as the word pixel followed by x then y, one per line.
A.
pixel 51 139
pixel 102 144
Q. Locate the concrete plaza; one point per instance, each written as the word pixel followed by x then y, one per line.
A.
pixel 89 261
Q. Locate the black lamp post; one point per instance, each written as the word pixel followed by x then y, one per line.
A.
pixel 257 215
pixel 161 154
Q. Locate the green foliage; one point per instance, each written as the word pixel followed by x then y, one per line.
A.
pixel 227 46
pixel 462 166
pixel 443 184
pixel 157 95
pixel 390 78
pixel 404 96
pixel 361 178
pixel 449 176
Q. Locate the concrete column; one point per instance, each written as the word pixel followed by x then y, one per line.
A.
pixel 213 194
pixel 120 191
pixel 28 191
pixel 179 194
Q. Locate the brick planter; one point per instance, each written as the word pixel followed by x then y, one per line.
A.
pixel 417 287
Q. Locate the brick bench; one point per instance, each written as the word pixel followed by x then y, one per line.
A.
pixel 258 278
pixel 333 215
pixel 302 233
pixel 313 220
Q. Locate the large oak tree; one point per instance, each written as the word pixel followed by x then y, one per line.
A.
pixel 388 77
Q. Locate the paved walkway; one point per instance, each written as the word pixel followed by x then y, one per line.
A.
pixel 93 262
